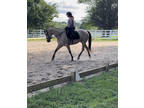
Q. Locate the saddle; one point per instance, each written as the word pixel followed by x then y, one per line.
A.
pixel 72 34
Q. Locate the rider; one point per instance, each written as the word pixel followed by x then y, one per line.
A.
pixel 70 26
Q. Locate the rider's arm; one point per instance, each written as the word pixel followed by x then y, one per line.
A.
pixel 69 23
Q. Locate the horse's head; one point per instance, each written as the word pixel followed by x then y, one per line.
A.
pixel 48 34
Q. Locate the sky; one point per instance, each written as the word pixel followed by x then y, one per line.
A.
pixel 63 6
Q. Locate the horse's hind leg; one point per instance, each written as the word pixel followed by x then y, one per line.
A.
pixel 87 50
pixel 80 52
pixel 68 47
pixel 58 47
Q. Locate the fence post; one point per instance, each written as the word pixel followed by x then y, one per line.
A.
pixel 32 34
pixel 95 33
pixel 110 34
pixel 106 34
pixel 103 33
pixel 40 32
pixel 28 33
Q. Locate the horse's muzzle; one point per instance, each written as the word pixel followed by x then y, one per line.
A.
pixel 48 40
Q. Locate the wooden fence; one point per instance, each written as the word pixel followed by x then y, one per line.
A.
pixel 68 78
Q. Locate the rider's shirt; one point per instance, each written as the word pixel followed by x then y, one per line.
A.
pixel 70 23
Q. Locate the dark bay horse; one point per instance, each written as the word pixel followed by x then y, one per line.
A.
pixel 63 40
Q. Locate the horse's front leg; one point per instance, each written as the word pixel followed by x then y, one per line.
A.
pixel 58 47
pixel 68 47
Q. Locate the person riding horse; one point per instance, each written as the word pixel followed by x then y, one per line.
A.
pixel 70 37
pixel 70 28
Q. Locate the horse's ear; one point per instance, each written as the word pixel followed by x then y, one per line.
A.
pixel 45 31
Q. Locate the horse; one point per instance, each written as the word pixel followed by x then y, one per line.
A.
pixel 63 40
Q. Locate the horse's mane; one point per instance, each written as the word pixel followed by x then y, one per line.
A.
pixel 57 29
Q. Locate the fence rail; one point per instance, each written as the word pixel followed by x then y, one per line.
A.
pixel 68 78
pixel 35 33
pixel 108 34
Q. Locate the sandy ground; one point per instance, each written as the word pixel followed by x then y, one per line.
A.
pixel 41 69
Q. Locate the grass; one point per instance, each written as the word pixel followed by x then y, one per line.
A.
pixel 36 39
pixel 104 39
pixel 40 39
pixel 97 92
pixel 54 39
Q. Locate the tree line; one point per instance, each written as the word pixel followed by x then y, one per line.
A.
pixel 102 14
pixel 40 14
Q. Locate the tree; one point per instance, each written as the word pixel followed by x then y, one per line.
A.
pixel 103 13
pixel 86 24
pixel 59 24
pixel 40 14
pixel 84 1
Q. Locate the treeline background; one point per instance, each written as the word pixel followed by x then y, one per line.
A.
pixel 102 14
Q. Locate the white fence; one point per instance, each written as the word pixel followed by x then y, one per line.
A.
pixel 108 34
pixel 35 34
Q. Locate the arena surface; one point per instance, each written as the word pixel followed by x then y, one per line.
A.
pixel 41 69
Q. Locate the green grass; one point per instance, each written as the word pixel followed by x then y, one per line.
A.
pixel 97 92
pixel 54 39
pixel 40 39
pixel 103 39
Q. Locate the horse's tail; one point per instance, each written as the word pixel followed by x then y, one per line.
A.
pixel 90 40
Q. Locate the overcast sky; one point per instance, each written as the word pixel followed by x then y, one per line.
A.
pixel 63 6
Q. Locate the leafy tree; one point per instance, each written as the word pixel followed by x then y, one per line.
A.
pixel 40 14
pixel 77 25
pixel 59 24
pixel 84 1
pixel 103 13
pixel 86 24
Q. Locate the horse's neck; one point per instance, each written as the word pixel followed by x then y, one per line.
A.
pixel 57 32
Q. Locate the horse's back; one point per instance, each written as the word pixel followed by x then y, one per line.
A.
pixel 84 36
